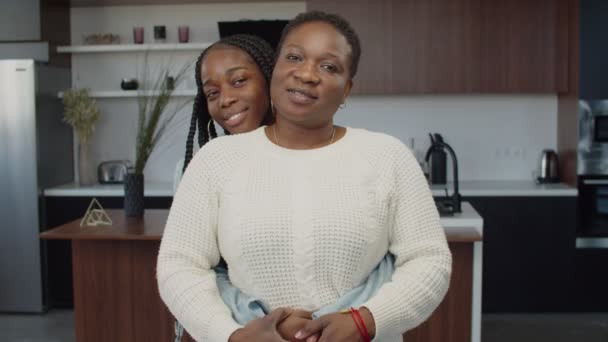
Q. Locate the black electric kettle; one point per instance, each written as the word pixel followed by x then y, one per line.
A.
pixel 436 158
pixel 450 204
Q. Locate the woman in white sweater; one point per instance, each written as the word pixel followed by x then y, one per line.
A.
pixel 303 211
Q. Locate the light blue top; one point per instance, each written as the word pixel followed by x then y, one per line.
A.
pixel 246 308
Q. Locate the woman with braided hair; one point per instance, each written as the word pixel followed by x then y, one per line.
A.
pixel 232 80
pixel 232 77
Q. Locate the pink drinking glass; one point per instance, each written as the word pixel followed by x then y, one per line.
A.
pixel 183 34
pixel 138 35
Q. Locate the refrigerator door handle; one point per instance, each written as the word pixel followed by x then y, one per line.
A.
pixel 595 181
pixel 592 242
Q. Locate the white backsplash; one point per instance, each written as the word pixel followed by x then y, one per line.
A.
pixel 496 137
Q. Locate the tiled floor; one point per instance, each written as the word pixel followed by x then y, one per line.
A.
pixel 58 326
pixel 545 328
pixel 55 326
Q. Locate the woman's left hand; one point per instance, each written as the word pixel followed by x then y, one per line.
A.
pixel 336 327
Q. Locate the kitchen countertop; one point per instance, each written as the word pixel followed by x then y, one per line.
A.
pixel 466 226
pixel 151 189
pixel 463 227
pixel 506 188
pixel 467 188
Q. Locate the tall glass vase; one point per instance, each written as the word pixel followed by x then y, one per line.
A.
pixel 86 171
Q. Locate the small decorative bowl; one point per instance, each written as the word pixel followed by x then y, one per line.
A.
pixel 101 39
pixel 129 84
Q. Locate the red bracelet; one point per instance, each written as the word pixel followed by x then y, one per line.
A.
pixel 359 324
pixel 352 315
pixel 367 337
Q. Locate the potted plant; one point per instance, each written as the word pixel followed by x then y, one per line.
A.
pixel 153 119
pixel 81 112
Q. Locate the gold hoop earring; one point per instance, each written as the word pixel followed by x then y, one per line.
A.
pixel 209 127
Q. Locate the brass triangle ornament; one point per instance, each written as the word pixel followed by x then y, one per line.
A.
pixel 95 216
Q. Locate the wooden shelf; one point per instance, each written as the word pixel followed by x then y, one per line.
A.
pixel 134 93
pixel 132 47
pixel 99 3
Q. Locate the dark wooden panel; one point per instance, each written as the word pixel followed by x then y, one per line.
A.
pixel 150 315
pixel 518 46
pixel 563 45
pixel 102 290
pixel 451 321
pixel 458 46
pixel 567 102
pixel 435 45
pixel 372 22
pixel 55 29
pixel 116 296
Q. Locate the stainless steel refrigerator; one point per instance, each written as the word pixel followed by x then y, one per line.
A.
pixel 35 152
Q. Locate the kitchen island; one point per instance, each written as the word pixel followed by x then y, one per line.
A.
pixel 116 296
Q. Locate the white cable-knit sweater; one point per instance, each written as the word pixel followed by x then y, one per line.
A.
pixel 299 228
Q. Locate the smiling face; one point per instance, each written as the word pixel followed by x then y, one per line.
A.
pixel 235 89
pixel 311 77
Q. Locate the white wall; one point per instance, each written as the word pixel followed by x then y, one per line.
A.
pixel 495 136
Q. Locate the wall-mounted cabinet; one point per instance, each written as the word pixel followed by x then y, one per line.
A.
pixel 594 50
pixel 458 46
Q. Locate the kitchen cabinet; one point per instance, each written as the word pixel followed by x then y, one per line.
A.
pixel 528 253
pixel 57 254
pixel 458 46
pixel 522 46
pixel 590 281
pixel 593 48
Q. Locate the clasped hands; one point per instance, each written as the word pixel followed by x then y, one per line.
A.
pixel 282 325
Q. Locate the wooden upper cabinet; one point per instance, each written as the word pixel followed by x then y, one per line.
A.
pixel 370 19
pixel 523 46
pixel 457 46
pixel 435 46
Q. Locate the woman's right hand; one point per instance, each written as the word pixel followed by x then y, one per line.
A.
pixel 296 321
pixel 262 329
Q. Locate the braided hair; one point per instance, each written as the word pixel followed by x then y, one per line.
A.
pixel 263 55
pixel 339 23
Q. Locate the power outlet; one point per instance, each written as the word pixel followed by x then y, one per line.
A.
pixel 510 153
